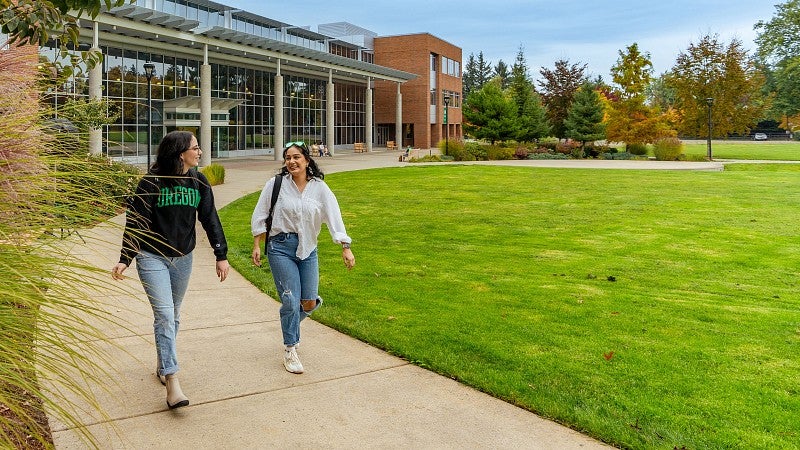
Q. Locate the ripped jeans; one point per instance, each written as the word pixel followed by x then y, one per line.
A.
pixel 295 279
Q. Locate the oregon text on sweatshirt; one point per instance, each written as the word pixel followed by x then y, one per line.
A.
pixel 162 214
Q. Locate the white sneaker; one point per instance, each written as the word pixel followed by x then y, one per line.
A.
pixel 292 362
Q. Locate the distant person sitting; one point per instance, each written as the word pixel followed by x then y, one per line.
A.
pixel 323 151
pixel 315 150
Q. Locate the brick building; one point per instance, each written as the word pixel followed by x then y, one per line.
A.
pixel 437 64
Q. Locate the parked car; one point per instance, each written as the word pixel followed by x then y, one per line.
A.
pixel 760 137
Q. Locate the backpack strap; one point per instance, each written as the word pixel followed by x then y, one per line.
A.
pixel 276 189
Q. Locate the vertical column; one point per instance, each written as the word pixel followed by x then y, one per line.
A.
pixel 398 125
pixel 205 109
pixel 278 112
pixel 96 93
pixel 368 125
pixel 330 122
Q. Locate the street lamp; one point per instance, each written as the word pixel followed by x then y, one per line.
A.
pixel 446 127
pixel 710 102
pixel 149 71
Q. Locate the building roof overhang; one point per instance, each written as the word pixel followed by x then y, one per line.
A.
pixel 131 23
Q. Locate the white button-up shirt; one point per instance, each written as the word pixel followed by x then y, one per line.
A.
pixel 300 212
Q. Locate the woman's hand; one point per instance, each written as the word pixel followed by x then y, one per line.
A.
pixel 349 259
pixel 222 269
pixel 116 271
pixel 256 256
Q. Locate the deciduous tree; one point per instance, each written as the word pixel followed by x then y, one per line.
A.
pixel 34 22
pixel 630 119
pixel 710 69
pixel 558 90
pixel 778 43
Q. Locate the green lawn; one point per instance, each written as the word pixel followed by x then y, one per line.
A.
pixel 764 150
pixel 648 309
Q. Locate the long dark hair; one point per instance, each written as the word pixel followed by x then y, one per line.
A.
pixel 168 160
pixel 312 171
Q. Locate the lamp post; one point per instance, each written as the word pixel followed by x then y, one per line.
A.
pixel 446 127
pixel 710 102
pixel 149 71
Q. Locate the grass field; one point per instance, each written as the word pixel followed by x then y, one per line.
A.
pixel 752 150
pixel 648 309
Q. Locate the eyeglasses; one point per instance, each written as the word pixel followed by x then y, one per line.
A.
pixel 300 144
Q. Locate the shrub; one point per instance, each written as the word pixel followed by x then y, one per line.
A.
pixel 618 155
pixel 549 143
pixel 475 151
pixel 521 153
pixel 636 148
pixel 215 173
pixel 594 151
pixel 668 149
pixel 498 153
pixel 547 155
pixel 569 148
pixel 453 147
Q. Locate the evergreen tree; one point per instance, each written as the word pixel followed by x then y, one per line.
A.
pixel 468 77
pixel 489 114
pixel 584 120
pixel 501 72
pixel 532 122
pixel 483 72
pixel 520 84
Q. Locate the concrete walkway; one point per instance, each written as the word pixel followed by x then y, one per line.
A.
pixel 352 395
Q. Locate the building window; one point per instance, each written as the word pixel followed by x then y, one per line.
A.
pixel 451 67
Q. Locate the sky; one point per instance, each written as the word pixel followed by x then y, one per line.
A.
pixel 588 32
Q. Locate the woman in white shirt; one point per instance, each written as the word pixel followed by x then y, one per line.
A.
pixel 304 203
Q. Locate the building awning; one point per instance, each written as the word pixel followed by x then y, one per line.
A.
pixel 154 17
pixel 191 103
pixel 239 37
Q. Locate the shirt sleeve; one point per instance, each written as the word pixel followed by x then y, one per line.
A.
pixel 138 218
pixel 207 214
pixel 332 216
pixel 258 221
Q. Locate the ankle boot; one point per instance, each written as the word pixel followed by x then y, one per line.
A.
pixel 175 397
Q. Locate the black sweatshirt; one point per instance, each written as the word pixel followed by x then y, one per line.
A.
pixel 161 217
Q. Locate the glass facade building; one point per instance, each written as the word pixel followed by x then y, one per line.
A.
pixel 256 66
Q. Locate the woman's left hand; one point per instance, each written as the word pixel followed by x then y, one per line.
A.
pixel 222 270
pixel 349 259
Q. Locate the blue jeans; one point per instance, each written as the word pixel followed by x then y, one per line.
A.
pixel 165 280
pixel 295 279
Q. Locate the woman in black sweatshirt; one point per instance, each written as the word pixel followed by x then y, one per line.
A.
pixel 160 235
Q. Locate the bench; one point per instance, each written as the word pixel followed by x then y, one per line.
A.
pixel 359 147
pixel 391 145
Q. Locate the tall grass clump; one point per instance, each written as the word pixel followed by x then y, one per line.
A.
pixel 215 173
pixel 47 312
pixel 668 149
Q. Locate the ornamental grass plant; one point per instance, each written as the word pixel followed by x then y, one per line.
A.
pixel 648 309
pixel 49 340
